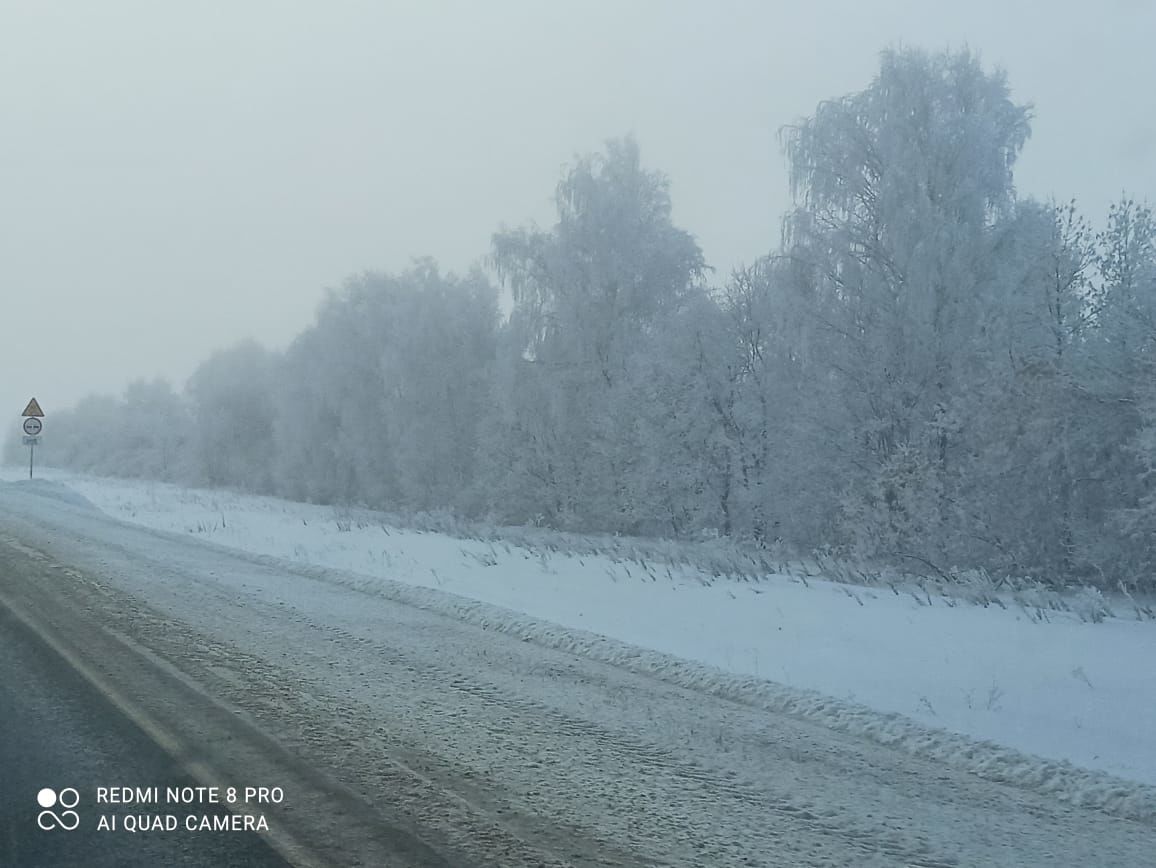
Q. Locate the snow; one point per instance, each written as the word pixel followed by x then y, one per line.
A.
pixel 1050 703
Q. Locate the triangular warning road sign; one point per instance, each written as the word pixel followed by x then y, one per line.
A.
pixel 33 409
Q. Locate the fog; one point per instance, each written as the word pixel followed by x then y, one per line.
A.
pixel 174 177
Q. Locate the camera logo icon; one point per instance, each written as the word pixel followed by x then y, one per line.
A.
pixel 67 799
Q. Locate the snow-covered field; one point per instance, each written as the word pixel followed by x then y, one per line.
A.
pixel 1062 689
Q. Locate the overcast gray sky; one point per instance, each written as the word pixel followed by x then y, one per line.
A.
pixel 177 176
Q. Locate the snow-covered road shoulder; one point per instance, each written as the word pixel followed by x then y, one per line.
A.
pixel 1060 707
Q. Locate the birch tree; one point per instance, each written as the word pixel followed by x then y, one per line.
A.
pixel 901 192
pixel 586 295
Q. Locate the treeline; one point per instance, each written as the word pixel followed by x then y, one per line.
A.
pixel 928 371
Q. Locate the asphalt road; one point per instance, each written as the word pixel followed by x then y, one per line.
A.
pixel 57 732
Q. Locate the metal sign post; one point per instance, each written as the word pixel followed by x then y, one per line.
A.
pixel 32 427
pixel 31 443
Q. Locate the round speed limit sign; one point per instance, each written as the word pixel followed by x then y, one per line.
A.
pixel 33 426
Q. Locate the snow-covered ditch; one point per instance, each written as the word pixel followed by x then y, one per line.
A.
pixel 1078 696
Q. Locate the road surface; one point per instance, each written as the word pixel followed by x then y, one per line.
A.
pixel 55 729
pixel 400 736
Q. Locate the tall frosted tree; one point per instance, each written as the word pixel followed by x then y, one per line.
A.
pixel 232 410
pixel 381 400
pixel 1025 485
pixel 1125 386
pixel 437 365
pixel 155 432
pixel 903 191
pixel 587 295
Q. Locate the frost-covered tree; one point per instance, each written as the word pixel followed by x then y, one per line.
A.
pixel 380 402
pixel 1041 405
pixel 902 192
pixel 1125 389
pixel 1125 306
pixel 683 475
pixel 766 392
pixel 155 432
pixel 437 367
pixel 232 410
pixel 587 295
